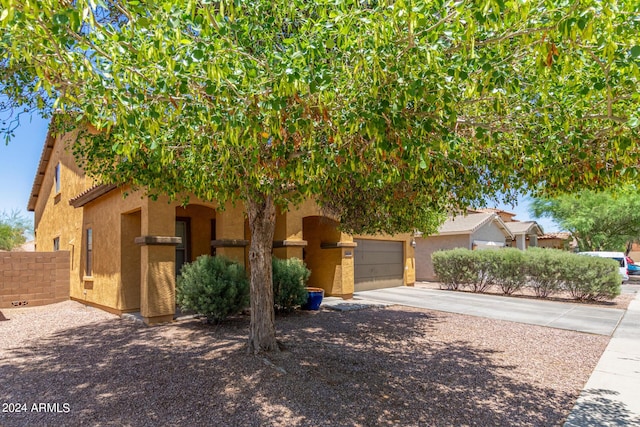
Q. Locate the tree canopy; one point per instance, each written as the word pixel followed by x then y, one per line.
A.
pixel 387 112
pixel 605 220
pixel 13 227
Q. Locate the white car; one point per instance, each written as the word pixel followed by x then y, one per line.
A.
pixel 620 257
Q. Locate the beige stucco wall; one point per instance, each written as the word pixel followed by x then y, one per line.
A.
pixel 110 217
pixel 53 216
pixel 489 232
pixel 426 246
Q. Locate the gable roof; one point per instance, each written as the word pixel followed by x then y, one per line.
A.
pixel 525 227
pixel 468 224
pixel 49 143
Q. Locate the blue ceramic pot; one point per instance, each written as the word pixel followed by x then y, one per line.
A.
pixel 314 299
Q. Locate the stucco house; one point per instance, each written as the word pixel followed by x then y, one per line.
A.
pixel 525 234
pixel 126 251
pixel 477 230
pixel 487 228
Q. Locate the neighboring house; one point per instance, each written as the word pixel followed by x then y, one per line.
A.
pixel 560 240
pixel 479 230
pixel 126 251
pixel 525 233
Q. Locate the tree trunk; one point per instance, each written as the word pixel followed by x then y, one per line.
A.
pixel 262 223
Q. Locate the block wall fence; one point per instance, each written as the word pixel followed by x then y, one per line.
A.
pixel 33 278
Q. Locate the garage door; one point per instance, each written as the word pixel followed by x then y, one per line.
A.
pixel 378 264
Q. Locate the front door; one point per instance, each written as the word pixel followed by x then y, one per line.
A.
pixel 182 250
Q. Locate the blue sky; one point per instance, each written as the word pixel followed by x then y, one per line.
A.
pixel 19 161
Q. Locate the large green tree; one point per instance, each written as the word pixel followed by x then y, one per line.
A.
pixel 603 220
pixel 387 112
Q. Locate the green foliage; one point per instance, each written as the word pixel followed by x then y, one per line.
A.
pixel 546 271
pixel 507 269
pixel 455 268
pixel 599 221
pixel 290 278
pixel 213 286
pixel 411 108
pixel 13 227
pixel 591 278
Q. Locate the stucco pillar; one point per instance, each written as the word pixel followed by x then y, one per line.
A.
pixel 346 286
pixel 287 239
pixel 409 263
pixel 230 236
pixel 521 242
pixel 157 262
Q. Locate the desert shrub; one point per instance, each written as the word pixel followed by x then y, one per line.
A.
pixel 545 271
pixel 506 269
pixel 482 262
pixel 455 268
pixel 290 278
pixel 215 287
pixel 591 278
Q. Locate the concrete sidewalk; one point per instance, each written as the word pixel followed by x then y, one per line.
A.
pixel 574 317
pixel 611 397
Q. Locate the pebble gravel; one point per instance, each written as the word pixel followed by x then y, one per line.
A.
pixel 70 365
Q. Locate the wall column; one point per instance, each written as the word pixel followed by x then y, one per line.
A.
pixel 287 239
pixel 157 261
pixel 230 238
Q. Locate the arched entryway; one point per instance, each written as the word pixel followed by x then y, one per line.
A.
pixel 323 253
pixel 196 225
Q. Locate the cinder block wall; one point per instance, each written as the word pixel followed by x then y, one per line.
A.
pixel 33 278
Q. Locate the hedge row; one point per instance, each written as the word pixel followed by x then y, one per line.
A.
pixel 217 287
pixel 544 271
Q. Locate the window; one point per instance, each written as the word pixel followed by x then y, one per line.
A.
pixel 56 244
pixel 57 178
pixel 89 264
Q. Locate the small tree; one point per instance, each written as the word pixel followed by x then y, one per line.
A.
pixel 13 227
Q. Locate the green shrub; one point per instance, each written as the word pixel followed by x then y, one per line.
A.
pixel 213 286
pixel 545 270
pixel 455 268
pixel 290 278
pixel 506 269
pixel 591 278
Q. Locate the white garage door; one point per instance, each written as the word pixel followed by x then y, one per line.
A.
pixel 378 264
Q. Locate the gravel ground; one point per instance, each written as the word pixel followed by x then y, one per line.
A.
pixel 375 367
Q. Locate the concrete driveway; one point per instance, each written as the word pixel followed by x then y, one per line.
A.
pixel 570 316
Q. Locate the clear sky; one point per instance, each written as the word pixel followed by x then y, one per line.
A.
pixel 19 161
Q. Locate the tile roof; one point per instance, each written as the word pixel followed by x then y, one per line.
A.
pixel 91 194
pixel 49 143
pixel 468 224
pixel 525 227
pixel 562 235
